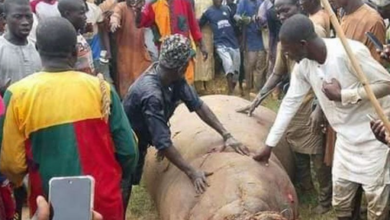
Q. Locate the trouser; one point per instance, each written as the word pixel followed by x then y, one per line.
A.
pixel 377 196
pixel 323 174
pixel 255 65
pixel 20 195
pixel 135 178
pixel 231 60
pixel 103 69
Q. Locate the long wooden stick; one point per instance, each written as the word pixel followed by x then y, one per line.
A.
pixel 361 76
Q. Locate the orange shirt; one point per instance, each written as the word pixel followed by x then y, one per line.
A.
pixel 364 19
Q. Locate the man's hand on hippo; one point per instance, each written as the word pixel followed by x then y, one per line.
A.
pixel 237 146
pixel 263 155
pixel 199 179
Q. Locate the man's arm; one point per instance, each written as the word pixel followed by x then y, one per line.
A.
pixel 377 76
pixel 203 20
pixel 379 30
pixel 299 88
pixel 239 12
pixel 208 117
pixel 153 112
pixel 13 150
pixel 193 103
pixel 126 149
pixel 279 72
pixel 193 24
pixel 103 33
pixel 144 17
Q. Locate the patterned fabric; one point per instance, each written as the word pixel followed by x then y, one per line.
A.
pixel 175 51
pixel 53 127
pixel 84 56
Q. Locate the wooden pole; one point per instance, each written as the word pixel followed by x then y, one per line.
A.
pixel 361 76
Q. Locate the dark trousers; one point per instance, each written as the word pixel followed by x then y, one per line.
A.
pixel 135 178
pixel 323 174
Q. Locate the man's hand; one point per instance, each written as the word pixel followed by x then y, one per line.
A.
pixel 379 131
pixel 114 24
pixel 249 109
pixel 43 211
pixel 245 20
pixel 107 14
pixel 199 179
pixel 263 155
pixel 258 100
pixel 332 90
pixel 136 4
pixel 204 52
pixel 385 53
pixel 317 121
pixel 237 146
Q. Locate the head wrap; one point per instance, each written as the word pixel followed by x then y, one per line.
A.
pixel 175 51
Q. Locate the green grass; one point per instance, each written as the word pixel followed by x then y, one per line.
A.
pixel 141 206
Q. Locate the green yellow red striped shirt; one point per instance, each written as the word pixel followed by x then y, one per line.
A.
pixel 53 126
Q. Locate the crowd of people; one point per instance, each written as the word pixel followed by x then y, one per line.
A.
pixel 88 86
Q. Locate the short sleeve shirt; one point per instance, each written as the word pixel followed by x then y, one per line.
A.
pixel 94 16
pixel 149 105
pixel 254 37
pixel 220 20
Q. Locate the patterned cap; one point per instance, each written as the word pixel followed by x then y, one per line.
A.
pixel 175 51
pixel 379 3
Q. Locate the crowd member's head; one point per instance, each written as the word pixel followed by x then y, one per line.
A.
pixel 310 6
pixel 19 18
pixel 74 11
pixel 174 57
pixel 382 6
pixel 337 4
pixel 298 38
pixel 2 18
pixel 58 46
pixel 286 8
pixel 217 3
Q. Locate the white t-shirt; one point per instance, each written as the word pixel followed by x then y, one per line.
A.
pixel 94 16
pixel 45 10
pixel 33 33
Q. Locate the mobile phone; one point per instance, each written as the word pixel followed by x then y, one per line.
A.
pixel 377 43
pixel 72 197
pixel 370 117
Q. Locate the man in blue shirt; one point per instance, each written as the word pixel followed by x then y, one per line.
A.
pixel 152 100
pixel 225 41
pixel 255 56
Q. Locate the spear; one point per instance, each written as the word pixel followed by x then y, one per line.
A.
pixel 359 72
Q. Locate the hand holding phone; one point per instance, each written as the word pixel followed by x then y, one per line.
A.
pixel 72 197
pixel 378 45
pixel 43 212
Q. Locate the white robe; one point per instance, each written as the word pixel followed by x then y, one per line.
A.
pixel 359 157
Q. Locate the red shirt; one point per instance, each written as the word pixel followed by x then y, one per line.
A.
pixel 181 18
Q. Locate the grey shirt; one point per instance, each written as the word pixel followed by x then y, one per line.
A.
pixel 17 62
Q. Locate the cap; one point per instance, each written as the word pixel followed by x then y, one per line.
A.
pixel 175 51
